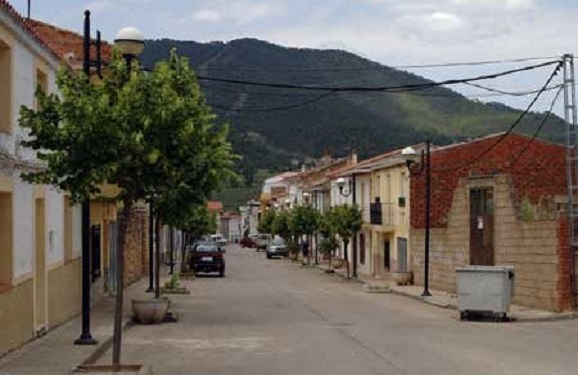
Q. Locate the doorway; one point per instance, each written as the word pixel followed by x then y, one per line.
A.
pixel 386 255
pixel 40 292
pixel 95 250
pixel 482 227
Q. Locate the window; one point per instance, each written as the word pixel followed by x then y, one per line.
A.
pixel 6 271
pixel 5 88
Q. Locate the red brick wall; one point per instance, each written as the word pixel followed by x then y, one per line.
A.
pixel 539 173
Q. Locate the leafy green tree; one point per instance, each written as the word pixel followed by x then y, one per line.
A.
pixel 304 221
pixel 326 228
pixel 281 226
pixel 266 222
pixel 144 133
pixel 347 223
pixel 200 222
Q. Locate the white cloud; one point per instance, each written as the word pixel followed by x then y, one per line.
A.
pixel 208 15
pixel 442 21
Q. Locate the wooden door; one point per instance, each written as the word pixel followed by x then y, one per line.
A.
pixel 482 227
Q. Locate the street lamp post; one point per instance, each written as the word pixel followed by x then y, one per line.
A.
pixel 350 191
pixel 151 287
pixel 85 336
pixel 416 168
pixel 130 41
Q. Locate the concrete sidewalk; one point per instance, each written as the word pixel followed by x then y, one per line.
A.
pixel 449 301
pixel 55 353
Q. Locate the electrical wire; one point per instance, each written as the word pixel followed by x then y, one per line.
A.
pixel 539 128
pixel 510 129
pixel 409 87
pixel 504 92
pixel 278 108
pixel 380 67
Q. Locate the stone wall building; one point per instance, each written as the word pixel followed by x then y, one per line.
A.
pixel 498 200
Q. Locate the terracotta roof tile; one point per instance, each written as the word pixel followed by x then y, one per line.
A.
pixel 26 26
pixel 215 206
pixel 68 45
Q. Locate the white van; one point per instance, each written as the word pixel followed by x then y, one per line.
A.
pixel 219 238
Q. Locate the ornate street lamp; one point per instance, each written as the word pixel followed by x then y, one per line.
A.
pixel 306 197
pixel 350 190
pixel 130 41
pixel 416 167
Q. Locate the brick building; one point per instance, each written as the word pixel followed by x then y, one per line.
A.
pixel 506 207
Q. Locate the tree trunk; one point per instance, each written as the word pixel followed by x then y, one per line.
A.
pixel 346 256
pixel 117 333
pixel 158 257
pixel 183 247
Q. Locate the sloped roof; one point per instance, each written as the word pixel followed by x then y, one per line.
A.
pixel 26 26
pixel 215 206
pixel 68 45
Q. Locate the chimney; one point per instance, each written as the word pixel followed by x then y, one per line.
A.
pixel 353 156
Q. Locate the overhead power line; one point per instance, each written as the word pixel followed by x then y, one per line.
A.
pixel 374 68
pixel 511 128
pixel 512 93
pixel 540 127
pixel 277 108
pixel 410 87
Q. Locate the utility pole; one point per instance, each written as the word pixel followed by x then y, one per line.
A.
pixel 571 164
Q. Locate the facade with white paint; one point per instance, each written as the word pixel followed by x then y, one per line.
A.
pixel 39 231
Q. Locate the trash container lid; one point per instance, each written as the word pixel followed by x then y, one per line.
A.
pixel 485 269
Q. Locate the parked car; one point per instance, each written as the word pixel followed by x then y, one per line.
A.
pixel 208 257
pixel 248 242
pixel 263 240
pixel 219 238
pixel 277 248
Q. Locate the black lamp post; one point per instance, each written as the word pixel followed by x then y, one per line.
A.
pixel 85 336
pixel 151 287
pixel 416 168
pixel 351 190
pixel 130 41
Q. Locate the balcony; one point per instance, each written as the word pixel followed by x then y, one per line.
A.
pixel 383 214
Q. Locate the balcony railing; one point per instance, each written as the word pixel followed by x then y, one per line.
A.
pixel 383 214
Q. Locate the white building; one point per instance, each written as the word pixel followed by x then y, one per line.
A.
pixel 40 239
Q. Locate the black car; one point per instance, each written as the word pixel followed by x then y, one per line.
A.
pixel 208 257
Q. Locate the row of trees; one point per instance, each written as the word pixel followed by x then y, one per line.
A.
pixel 339 223
pixel 150 134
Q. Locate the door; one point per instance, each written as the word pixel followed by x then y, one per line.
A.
pixel 40 311
pixel 402 254
pixel 95 251
pixel 482 227
pixel 386 255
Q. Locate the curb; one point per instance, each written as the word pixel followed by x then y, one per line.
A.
pixel 106 344
pixel 449 306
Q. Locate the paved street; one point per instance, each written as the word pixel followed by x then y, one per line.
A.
pixel 273 317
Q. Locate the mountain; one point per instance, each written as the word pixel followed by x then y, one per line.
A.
pixel 369 122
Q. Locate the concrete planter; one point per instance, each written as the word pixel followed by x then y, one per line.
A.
pixel 108 370
pixel 179 290
pixel 150 311
pixel 401 278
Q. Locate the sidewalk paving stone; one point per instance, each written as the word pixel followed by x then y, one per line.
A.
pixel 55 353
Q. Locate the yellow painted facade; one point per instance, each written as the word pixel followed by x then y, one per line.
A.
pixel 389 185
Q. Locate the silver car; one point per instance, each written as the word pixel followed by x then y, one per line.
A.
pixel 277 248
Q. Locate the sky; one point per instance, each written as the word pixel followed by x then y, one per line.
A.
pixel 392 32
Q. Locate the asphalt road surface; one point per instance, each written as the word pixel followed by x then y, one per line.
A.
pixel 274 317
